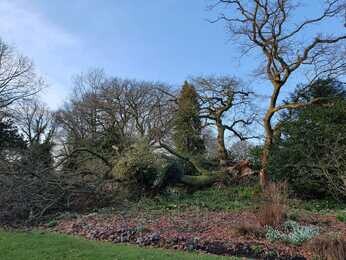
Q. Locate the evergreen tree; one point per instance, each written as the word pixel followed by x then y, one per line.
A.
pixel 187 125
pixel 9 136
pixel 310 152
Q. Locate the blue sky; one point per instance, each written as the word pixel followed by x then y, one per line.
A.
pixel 164 40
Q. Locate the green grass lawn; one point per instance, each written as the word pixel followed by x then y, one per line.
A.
pixel 39 246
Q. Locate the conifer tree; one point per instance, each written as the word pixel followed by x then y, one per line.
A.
pixel 187 125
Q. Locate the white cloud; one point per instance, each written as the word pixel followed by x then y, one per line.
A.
pixel 22 24
pixel 50 46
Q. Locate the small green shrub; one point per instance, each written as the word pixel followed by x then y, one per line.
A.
pixel 293 233
pixel 138 169
pixel 293 215
pixel 139 159
pixel 256 249
pixel 274 235
pixel 341 217
pixel 319 206
pixel 52 223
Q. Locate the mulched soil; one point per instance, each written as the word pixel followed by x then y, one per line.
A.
pixel 212 232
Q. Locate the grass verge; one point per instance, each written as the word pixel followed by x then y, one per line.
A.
pixel 42 246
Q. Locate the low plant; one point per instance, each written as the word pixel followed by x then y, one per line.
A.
pixel 341 217
pixel 292 233
pixel 329 246
pixel 319 206
pixel 137 169
pixel 52 223
pixel 250 230
pixel 216 199
pixel 256 249
pixel 294 215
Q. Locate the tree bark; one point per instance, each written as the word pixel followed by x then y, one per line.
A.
pixel 221 149
pixel 208 177
pixel 202 180
pixel 269 136
pixel 263 174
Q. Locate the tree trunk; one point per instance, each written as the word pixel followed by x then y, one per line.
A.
pixel 221 149
pixel 269 133
pixel 208 177
pixel 263 174
pixel 202 180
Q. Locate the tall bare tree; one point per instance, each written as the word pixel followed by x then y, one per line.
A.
pixel 105 115
pixel 269 26
pixel 226 105
pixel 17 77
pixel 36 122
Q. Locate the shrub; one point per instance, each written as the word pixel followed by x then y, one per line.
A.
pixel 255 157
pixel 139 158
pixel 294 216
pixel 30 189
pixel 247 229
pixel 341 217
pixel 272 212
pixel 330 246
pixel 319 206
pixel 138 169
pixel 52 223
pixel 293 233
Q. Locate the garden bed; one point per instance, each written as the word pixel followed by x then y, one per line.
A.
pixel 221 233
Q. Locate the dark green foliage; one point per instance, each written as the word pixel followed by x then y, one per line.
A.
pixel 255 157
pixel 318 205
pixel 29 186
pixel 142 171
pixel 9 136
pixel 37 157
pixel 229 199
pixel 325 88
pixel 311 151
pixel 138 169
pixel 187 125
pixel 171 173
pixel 308 141
pixel 341 217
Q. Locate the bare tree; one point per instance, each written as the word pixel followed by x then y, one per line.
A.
pixel 267 25
pixel 35 121
pixel 106 115
pixel 17 78
pixel 226 105
pixel 30 186
pixel 136 108
pixel 241 150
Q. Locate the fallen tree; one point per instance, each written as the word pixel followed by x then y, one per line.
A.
pixel 207 177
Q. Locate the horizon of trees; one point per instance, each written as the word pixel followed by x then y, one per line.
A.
pixel 119 137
